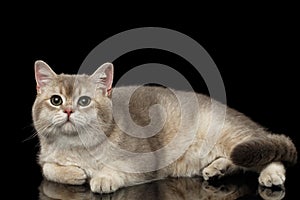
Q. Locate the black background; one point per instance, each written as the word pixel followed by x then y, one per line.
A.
pixel 256 53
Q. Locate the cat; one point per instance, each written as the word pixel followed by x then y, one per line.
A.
pixel 84 131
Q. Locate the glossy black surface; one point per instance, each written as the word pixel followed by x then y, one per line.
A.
pixel 258 59
pixel 237 187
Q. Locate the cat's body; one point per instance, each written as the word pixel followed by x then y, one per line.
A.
pixel 85 134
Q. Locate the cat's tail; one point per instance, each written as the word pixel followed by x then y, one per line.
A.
pixel 261 151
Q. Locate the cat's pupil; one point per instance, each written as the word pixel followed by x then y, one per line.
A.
pixel 84 101
pixel 56 100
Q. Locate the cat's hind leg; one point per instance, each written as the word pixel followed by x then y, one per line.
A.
pixel 218 168
pixel 272 174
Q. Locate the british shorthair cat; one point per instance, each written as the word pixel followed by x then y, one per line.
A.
pixel 92 133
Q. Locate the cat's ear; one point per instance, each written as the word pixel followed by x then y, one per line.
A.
pixel 103 78
pixel 43 74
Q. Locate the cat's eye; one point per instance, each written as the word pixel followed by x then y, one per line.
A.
pixel 56 100
pixel 84 101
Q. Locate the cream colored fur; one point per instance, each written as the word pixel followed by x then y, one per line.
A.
pixel 78 148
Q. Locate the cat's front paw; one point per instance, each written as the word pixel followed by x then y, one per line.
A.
pixel 106 184
pixel 72 175
pixel 75 176
pixel 272 175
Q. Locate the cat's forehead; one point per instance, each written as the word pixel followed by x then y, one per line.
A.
pixel 73 85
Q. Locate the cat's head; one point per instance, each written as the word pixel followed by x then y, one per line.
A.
pixel 66 105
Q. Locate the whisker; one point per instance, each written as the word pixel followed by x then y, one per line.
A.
pixel 41 130
pixel 32 136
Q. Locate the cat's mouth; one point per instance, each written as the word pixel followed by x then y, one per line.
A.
pixel 66 125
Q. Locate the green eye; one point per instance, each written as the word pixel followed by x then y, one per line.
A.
pixel 84 101
pixel 56 100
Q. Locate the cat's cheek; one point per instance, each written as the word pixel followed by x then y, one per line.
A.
pixel 46 120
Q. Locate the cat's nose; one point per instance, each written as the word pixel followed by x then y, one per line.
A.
pixel 69 111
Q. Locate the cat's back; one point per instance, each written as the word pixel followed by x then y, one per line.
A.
pixel 142 102
pixel 150 95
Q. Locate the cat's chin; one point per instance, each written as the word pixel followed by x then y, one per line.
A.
pixel 68 128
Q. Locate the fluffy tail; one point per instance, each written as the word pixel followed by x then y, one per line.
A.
pixel 261 151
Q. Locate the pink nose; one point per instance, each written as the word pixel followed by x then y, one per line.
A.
pixel 68 111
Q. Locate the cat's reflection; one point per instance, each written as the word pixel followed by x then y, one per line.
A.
pixel 169 189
